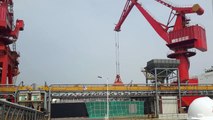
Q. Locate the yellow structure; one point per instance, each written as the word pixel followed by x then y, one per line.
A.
pixel 88 88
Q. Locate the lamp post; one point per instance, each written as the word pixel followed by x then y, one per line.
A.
pixel 49 103
pixel 107 98
pixel 107 116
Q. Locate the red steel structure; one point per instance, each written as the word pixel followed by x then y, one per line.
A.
pixel 9 33
pixel 179 36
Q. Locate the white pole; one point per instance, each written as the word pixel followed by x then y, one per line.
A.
pixel 49 102
pixel 107 100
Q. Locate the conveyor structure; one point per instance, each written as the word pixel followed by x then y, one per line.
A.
pixel 86 88
pixel 91 92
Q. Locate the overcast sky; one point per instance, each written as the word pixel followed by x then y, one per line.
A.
pixel 72 41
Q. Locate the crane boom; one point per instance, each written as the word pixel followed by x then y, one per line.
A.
pixel 166 4
pixel 154 23
pixel 127 8
pixel 159 27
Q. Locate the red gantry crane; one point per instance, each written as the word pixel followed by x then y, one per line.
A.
pixel 178 34
pixel 8 36
pixel 179 37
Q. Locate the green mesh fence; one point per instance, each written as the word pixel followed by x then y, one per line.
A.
pixel 116 109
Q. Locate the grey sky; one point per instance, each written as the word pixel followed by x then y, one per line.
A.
pixel 72 41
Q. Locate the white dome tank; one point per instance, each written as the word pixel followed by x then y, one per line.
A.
pixel 201 109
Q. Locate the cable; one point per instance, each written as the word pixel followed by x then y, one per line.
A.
pixel 117 53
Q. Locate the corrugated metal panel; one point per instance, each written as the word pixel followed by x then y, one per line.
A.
pixel 201 38
pixel 169 105
pixel 196 33
pixel 189 32
pixel 162 63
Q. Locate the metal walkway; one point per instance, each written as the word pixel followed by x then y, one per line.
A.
pixel 11 111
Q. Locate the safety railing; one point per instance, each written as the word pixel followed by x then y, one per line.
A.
pixel 11 111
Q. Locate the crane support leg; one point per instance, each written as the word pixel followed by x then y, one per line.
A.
pixel 183 67
pixel 182 55
pixel 4 62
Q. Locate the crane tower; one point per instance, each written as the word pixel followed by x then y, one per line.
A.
pixel 8 35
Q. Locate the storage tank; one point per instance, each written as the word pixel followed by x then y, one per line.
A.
pixel 201 109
